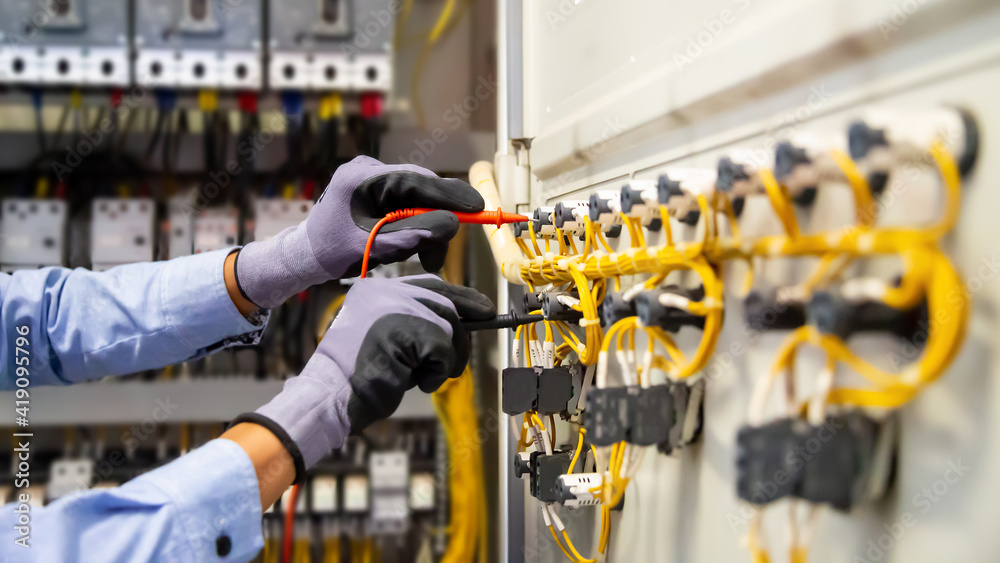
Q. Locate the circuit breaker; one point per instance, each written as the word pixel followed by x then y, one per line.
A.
pixel 32 233
pixel 331 45
pixel 64 42
pixel 199 44
pixel 180 239
pixel 324 493
pixel 274 216
pixel 121 231
pixel 390 476
pixel 215 229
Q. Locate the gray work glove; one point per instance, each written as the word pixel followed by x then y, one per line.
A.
pixel 390 336
pixel 330 243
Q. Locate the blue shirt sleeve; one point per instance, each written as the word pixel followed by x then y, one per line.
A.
pixel 75 325
pixel 191 509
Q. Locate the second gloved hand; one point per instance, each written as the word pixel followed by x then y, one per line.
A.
pixel 330 243
pixel 391 335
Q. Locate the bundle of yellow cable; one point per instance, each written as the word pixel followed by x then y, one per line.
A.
pixel 456 407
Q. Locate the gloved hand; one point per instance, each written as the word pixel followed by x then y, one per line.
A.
pixel 390 336
pixel 330 243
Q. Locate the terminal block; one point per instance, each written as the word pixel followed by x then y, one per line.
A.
pixel 640 199
pixel 733 179
pixel 606 208
pixel 764 311
pixel 569 216
pixel 543 472
pixel 651 414
pixel 677 189
pixel 574 490
pixel 558 306
pixel 664 307
pixel 614 308
pixel 668 416
pixel 844 462
pixel 806 161
pixel 764 472
pixel 688 402
pixel 885 138
pixel 544 390
pixel 607 415
pixel 541 220
pixel 832 314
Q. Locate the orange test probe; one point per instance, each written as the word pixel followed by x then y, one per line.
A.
pixel 497 218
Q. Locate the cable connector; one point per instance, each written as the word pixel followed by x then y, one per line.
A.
pixel 665 308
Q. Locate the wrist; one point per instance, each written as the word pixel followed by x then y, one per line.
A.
pixel 271 271
pixel 311 411
pixel 240 300
pixel 272 461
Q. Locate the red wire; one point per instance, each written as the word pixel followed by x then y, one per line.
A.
pixel 286 548
pixel 371 240
pixel 482 218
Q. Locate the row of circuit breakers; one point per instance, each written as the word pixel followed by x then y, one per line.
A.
pixel 332 45
pixel 33 233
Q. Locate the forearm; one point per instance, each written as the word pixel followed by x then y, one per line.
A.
pixel 202 506
pixel 83 325
pixel 271 461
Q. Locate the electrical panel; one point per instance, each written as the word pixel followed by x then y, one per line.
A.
pixel 199 44
pixel 331 45
pixel 32 233
pixel 792 313
pixel 65 43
